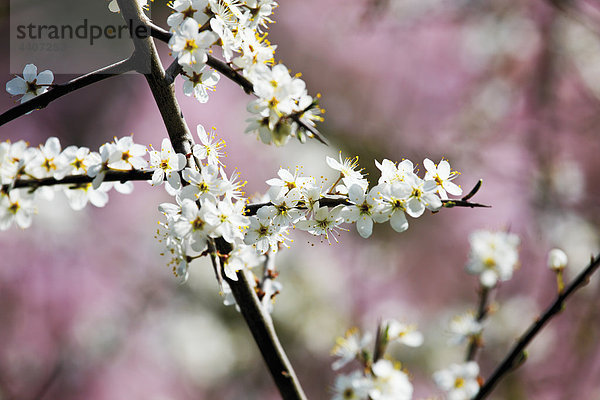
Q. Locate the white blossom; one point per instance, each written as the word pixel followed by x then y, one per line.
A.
pixel 389 383
pixel 31 84
pixel 198 79
pixel 354 386
pixel 459 381
pixel 15 207
pixel 406 334
pixel 189 45
pixel 167 164
pixel 442 175
pixel 184 9
pixel 493 256
pixel 462 327
pixel 349 347
pixel 209 148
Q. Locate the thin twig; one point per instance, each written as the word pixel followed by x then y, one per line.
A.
pixel 252 209
pixel 47 384
pixel 513 358
pixel 482 310
pixel 60 90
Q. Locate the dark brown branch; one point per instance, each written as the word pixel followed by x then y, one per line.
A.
pixel 162 90
pixel 252 209
pixel 60 90
pixel 256 317
pixel 111 176
pixel 512 359
pixel 261 325
pixel 230 73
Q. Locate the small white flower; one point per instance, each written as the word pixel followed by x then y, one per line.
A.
pixel 393 206
pixel 389 383
pixel 184 9
pixel 44 164
pixel 406 334
pixel 126 155
pixel 99 169
pixel 442 175
pixel 323 222
pixel 349 347
pixel 227 219
pixel 189 45
pixel 557 259
pixel 493 256
pixel 242 257
pixel 204 184
pixel 31 85
pixel 288 181
pixel 75 161
pixel 198 79
pixel 391 173
pixel 209 148
pixel 348 172
pixel 79 195
pixel 193 223
pixel 262 233
pixel 422 196
pixel 167 163
pixel 463 327
pixel 284 209
pixel 353 386
pixel 459 381
pixel 366 205
pixel 15 207
pixel 254 50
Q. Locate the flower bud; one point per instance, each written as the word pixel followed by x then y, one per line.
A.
pixel 557 259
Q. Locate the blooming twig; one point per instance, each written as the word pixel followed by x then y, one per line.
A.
pixel 258 320
pixel 511 361
pixel 482 311
pixel 60 90
pixel 225 69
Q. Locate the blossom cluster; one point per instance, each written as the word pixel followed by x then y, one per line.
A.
pixel 312 205
pixel 283 105
pixel 375 379
pixel 493 256
pixel 209 205
pixel 29 174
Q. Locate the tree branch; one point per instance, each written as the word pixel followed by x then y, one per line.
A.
pixel 60 90
pixel 111 176
pixel 261 325
pixel 258 320
pixel 511 361
pixel 162 90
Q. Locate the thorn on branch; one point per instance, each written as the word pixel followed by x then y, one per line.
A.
pixel 473 191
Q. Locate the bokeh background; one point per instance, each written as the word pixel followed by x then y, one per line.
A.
pixel 508 91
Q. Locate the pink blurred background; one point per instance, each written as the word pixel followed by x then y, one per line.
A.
pixel 508 91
